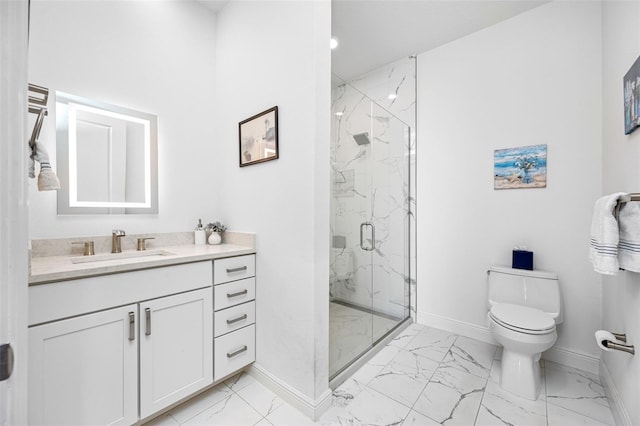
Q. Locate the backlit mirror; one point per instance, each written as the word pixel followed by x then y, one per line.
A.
pixel 107 158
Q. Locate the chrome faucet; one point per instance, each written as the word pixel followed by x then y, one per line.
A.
pixel 116 234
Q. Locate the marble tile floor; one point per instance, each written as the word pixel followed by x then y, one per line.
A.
pixel 424 376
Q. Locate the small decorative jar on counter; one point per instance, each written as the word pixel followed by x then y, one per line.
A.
pixel 214 232
pixel 215 238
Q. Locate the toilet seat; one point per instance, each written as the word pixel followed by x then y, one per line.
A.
pixel 522 319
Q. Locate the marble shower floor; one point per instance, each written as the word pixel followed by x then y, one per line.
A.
pixel 352 332
pixel 424 376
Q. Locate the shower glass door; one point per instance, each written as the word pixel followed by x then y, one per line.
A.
pixel 369 257
pixel 389 217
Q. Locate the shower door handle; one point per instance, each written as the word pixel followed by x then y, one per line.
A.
pixel 373 236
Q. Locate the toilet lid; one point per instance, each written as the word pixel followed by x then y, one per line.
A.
pixel 522 318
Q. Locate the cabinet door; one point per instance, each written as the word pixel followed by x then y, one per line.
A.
pixel 176 354
pixel 84 370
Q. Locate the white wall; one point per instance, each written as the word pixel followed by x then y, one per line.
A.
pixel 621 172
pixel 156 57
pixel 533 79
pixel 276 53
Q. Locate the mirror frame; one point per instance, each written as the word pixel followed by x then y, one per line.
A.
pixel 64 159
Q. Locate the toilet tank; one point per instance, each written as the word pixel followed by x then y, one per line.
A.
pixel 536 289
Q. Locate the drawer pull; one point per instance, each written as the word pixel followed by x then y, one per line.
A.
pixel 237 351
pixel 147 313
pixel 239 318
pixel 132 326
pixel 240 269
pixel 238 293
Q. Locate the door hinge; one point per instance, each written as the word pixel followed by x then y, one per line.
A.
pixel 6 361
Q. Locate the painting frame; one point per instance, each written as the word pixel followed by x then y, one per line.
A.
pixel 258 138
pixel 520 167
pixel 631 97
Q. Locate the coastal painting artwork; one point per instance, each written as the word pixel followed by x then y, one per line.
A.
pixel 522 167
pixel 631 83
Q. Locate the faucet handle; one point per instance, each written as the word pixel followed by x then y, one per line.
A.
pixel 141 243
pixel 88 247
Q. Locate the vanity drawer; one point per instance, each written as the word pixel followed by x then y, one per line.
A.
pixel 230 319
pixel 233 351
pixel 233 293
pixel 233 268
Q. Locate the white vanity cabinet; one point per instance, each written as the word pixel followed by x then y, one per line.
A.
pixel 175 349
pixel 117 348
pixel 84 370
pixel 234 318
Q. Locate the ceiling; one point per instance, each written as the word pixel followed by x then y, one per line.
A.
pixel 214 5
pixel 373 33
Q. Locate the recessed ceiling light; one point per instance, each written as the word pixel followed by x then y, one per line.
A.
pixel 339 113
pixel 392 96
pixel 333 43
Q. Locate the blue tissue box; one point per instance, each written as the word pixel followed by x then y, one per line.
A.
pixel 522 259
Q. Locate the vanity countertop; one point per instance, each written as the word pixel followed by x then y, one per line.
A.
pixel 59 268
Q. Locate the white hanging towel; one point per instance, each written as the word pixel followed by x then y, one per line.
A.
pixel 47 179
pixel 629 246
pixel 603 251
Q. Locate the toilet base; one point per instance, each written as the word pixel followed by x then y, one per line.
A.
pixel 521 374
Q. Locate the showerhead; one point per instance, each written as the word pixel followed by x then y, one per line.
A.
pixel 362 138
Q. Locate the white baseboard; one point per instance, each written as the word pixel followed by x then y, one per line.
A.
pixel 472 331
pixel 618 409
pixel 309 407
pixel 579 360
pixel 556 354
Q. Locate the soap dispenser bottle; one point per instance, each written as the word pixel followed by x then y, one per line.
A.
pixel 200 234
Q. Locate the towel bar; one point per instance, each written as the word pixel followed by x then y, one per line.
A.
pixel 40 110
pixel 40 90
pixel 634 196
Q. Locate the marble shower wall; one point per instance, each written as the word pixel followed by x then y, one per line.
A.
pixel 374 183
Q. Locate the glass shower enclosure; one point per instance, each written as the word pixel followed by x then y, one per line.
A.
pixel 370 274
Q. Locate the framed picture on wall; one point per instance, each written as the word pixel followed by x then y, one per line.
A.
pixel 631 83
pixel 259 137
pixel 521 167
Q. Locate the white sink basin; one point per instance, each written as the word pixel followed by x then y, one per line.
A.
pixel 118 256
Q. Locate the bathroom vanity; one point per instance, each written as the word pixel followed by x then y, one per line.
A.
pixel 117 341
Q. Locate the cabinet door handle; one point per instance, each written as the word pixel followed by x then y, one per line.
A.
pixel 147 314
pixel 242 268
pixel 132 326
pixel 236 319
pixel 238 293
pixel 237 351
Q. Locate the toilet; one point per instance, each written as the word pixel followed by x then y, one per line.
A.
pixel 524 308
